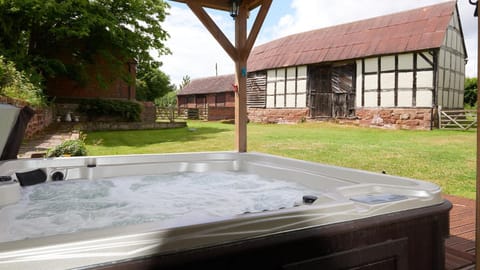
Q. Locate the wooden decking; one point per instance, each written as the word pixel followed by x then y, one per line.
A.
pixel 460 246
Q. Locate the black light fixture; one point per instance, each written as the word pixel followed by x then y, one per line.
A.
pixel 235 8
pixel 475 14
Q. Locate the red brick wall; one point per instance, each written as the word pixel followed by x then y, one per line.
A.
pixel 421 119
pixel 149 112
pixel 220 113
pixel 113 85
pixel 277 115
pixel 42 118
pixel 230 99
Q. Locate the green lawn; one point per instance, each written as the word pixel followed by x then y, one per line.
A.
pixel 443 157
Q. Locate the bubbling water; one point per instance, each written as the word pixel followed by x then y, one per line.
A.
pixel 170 199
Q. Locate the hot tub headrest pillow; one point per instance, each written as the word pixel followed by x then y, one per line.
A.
pixel 31 178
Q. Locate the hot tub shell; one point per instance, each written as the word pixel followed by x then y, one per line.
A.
pixel 338 231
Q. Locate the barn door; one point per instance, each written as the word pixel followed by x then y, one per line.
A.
pixel 320 100
pixel 343 92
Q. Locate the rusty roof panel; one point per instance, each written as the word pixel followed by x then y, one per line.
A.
pixel 413 30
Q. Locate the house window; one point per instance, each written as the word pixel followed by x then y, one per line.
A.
pixel 287 87
pixel 220 99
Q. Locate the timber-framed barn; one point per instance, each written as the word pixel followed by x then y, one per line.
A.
pixel 393 71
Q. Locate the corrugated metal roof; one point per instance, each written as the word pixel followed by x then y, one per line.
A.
pixel 413 30
pixel 209 85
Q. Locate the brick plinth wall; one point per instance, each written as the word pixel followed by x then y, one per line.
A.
pixel 221 113
pixel 419 119
pixel 149 112
pixel 42 118
pixel 277 115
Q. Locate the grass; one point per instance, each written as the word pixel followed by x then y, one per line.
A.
pixel 446 158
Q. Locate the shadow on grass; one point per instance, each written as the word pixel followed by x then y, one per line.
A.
pixel 139 138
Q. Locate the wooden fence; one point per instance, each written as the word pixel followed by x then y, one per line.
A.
pixel 172 113
pixel 169 113
pixel 457 119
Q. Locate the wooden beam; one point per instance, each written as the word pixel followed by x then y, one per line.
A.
pixel 257 25
pixel 239 53
pixel 241 80
pixel 477 193
pixel 224 4
pixel 213 28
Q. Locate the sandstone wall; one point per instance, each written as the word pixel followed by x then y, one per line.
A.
pixel 420 119
pixel 258 115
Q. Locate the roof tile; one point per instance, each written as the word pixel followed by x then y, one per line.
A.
pixel 218 84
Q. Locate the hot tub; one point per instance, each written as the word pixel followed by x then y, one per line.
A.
pixel 329 218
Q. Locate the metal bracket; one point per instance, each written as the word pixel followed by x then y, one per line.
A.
pixel 475 14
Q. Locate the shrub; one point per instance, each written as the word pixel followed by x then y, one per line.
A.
pixel 15 84
pixel 470 97
pixel 69 147
pixel 128 110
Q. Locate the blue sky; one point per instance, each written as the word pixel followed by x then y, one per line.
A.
pixel 196 53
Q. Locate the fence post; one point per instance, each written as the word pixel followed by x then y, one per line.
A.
pixel 440 117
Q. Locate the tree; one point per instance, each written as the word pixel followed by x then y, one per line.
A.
pixel 152 83
pixel 470 97
pixel 14 84
pixel 33 32
pixel 168 100
pixel 185 82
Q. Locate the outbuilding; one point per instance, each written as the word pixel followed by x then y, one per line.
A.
pixel 210 98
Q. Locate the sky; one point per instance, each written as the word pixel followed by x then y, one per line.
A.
pixel 194 52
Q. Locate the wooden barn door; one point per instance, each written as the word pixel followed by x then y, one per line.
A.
pixel 320 99
pixel 343 92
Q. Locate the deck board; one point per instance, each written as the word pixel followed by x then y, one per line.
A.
pixel 460 246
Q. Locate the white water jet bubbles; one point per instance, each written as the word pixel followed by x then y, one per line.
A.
pixel 171 200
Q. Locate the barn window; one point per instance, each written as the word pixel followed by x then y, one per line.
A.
pixel 287 87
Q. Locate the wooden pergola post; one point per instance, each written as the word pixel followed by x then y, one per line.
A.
pixel 241 81
pixel 477 194
pixel 239 53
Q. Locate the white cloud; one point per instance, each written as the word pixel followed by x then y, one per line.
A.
pixel 194 50
pixel 308 15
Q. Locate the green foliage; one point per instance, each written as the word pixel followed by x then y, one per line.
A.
pixel 152 83
pixel 33 32
pixel 185 81
pixel 69 147
pixel 15 84
pixel 470 97
pixel 127 110
pixel 168 100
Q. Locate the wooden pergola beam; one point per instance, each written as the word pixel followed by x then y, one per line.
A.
pixel 257 25
pixel 203 16
pixel 239 53
pixel 224 4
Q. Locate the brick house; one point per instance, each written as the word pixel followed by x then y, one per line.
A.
pixel 393 71
pixel 209 98
pixel 102 79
